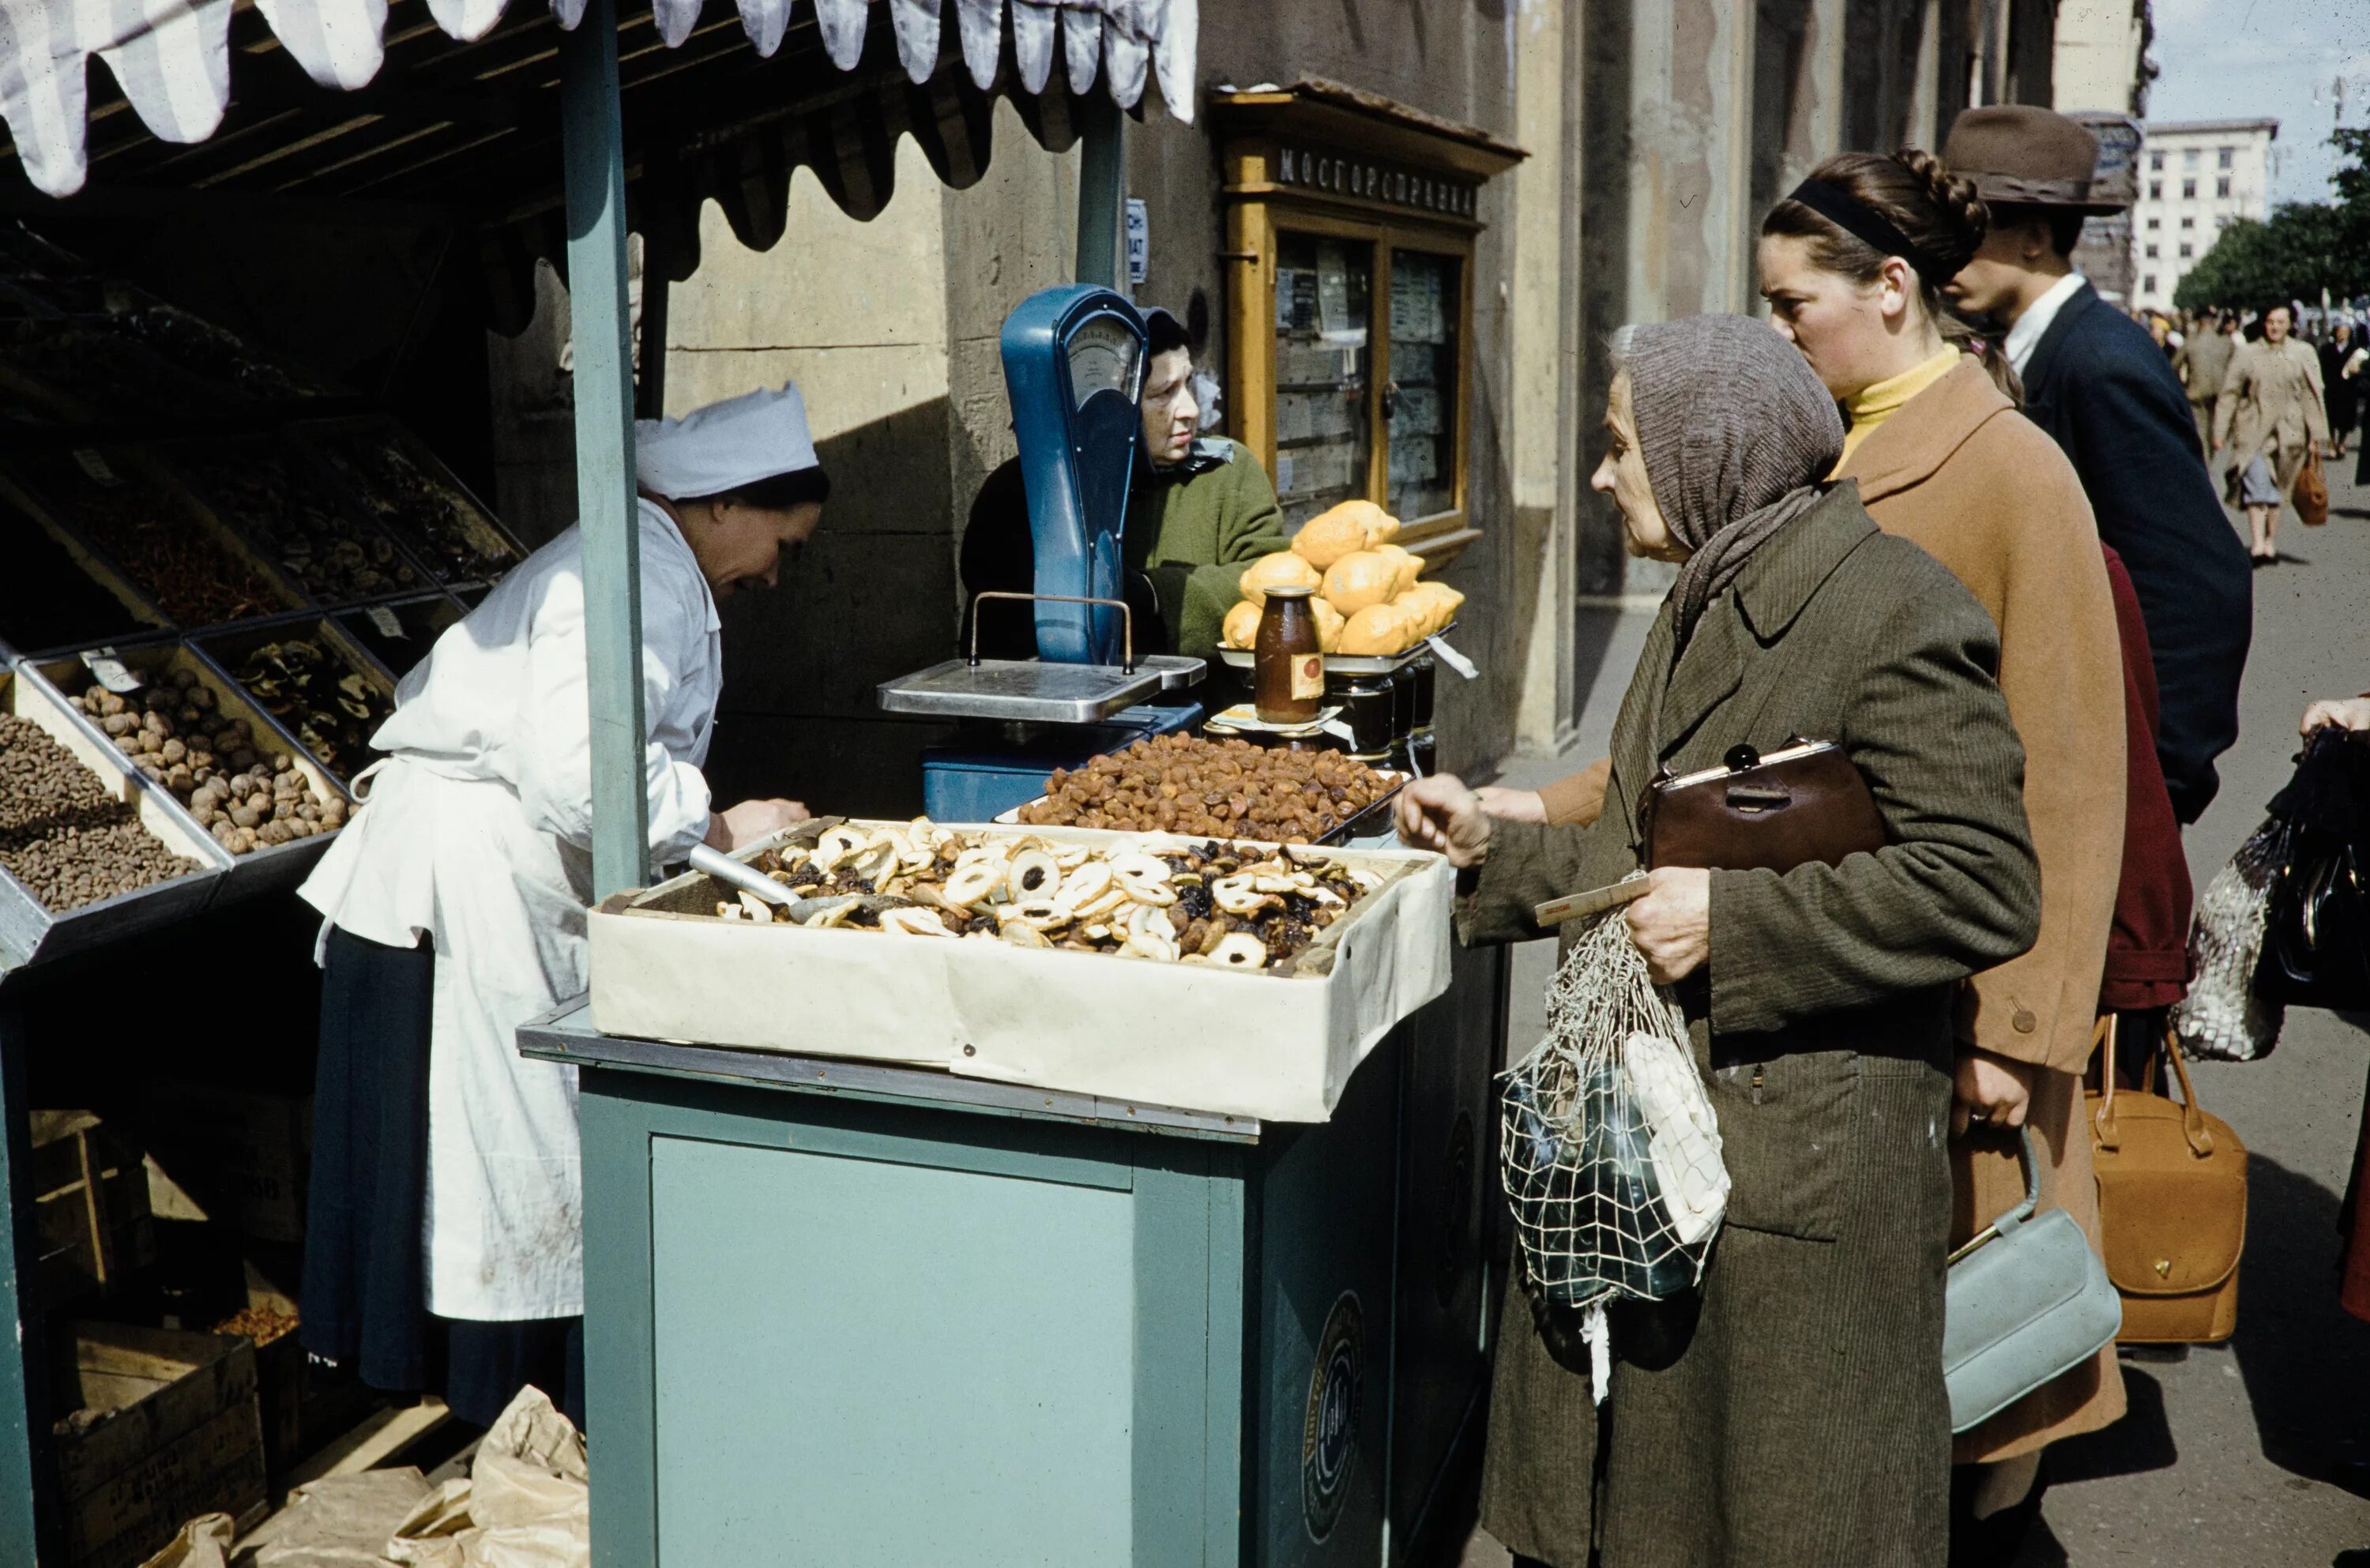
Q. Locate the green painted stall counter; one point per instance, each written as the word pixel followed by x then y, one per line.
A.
pixel 847 1315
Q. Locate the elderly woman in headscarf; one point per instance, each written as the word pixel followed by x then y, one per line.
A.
pixel 443 1235
pixel 1790 1409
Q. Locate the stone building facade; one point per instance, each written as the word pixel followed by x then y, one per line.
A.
pixel 1655 133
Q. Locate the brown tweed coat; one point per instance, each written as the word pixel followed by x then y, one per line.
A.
pixel 1791 1412
pixel 1982 488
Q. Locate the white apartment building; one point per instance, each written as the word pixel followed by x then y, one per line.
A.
pixel 2196 177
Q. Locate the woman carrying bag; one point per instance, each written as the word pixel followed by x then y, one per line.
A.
pixel 1791 1409
pixel 1853 264
pixel 2274 414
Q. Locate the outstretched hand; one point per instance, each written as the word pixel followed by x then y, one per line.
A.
pixel 1441 815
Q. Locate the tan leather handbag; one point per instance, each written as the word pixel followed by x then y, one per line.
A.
pixel 2311 492
pixel 2172 1206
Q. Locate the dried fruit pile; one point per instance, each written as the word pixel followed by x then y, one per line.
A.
pixel 247 797
pixel 337 560
pixel 413 506
pixel 262 1324
pixel 331 708
pixel 1189 785
pixel 62 835
pixel 1233 905
pixel 184 571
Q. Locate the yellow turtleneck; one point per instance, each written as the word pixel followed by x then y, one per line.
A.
pixel 1879 400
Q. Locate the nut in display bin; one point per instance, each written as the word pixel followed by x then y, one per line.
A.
pixel 31 931
pixel 278 859
pixel 316 683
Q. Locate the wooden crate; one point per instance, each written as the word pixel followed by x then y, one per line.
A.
pixel 90 1206
pixel 163 1427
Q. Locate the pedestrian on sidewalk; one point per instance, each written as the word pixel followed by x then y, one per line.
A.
pixel 2202 361
pixel 1852 265
pixel 1791 1410
pixel 2095 382
pixel 2342 392
pixel 2271 415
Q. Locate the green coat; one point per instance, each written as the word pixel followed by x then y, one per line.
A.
pixel 1192 530
pixel 1800 1419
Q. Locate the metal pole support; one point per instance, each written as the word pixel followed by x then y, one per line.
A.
pixel 592 140
pixel 28 1529
pixel 1102 194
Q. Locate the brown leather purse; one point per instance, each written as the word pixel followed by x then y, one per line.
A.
pixel 2311 492
pixel 1802 803
pixel 2172 1205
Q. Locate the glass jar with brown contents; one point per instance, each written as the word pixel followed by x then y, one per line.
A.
pixel 1288 672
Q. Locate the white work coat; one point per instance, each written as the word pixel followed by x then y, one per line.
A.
pixel 476 832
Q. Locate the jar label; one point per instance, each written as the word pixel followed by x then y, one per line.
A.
pixel 1307 677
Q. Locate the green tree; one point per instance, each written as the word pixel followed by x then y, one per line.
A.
pixel 2304 248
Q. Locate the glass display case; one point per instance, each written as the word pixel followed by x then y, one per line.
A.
pixel 1349 230
pixel 1324 352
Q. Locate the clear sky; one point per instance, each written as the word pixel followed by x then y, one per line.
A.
pixel 2249 58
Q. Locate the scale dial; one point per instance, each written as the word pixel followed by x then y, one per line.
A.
pixel 1104 356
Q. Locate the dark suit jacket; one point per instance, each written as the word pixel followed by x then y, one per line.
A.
pixel 2098 383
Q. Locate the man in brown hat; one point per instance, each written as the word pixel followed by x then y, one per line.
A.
pixel 2094 380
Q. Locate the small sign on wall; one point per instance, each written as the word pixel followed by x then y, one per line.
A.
pixel 1139 240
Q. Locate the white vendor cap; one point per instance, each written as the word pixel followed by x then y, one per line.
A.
pixel 725 446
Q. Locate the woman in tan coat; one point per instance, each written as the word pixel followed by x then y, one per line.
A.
pixel 2272 410
pixel 1944 459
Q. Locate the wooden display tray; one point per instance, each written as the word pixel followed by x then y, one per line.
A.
pixel 1256 1043
pixel 135 465
pixel 224 648
pixel 32 933
pixel 478 519
pixel 307 470
pixel 265 869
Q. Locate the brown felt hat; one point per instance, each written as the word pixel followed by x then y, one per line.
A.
pixel 2024 155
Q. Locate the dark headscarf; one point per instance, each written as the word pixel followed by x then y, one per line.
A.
pixel 1737 432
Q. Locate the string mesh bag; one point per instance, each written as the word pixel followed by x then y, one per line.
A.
pixel 2221 1018
pixel 1610 1153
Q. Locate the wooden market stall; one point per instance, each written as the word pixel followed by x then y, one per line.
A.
pixel 522 134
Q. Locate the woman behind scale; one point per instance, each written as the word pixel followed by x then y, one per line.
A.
pixel 443 1237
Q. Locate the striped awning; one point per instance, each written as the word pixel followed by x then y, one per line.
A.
pixel 172 59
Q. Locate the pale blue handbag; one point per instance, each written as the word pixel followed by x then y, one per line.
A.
pixel 2027 1301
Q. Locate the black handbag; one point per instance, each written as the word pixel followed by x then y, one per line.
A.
pixel 2316 949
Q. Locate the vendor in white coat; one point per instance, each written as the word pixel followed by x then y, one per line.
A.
pixel 443 1237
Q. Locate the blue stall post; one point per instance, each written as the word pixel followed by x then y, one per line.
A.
pixel 24 1402
pixel 592 139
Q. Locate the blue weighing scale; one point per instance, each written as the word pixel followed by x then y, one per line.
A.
pixel 1074 363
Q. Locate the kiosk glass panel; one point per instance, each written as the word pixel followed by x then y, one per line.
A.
pixel 1324 418
pixel 1423 397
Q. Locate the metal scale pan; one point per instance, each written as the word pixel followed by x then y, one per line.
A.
pixel 1038 691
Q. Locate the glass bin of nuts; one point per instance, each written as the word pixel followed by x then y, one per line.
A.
pixel 194 732
pixel 266 490
pixel 322 691
pixel 90 850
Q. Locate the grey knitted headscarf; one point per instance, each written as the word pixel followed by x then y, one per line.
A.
pixel 1737 434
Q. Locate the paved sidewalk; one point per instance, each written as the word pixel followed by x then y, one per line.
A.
pixel 2220 1463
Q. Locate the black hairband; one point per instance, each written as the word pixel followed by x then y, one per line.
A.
pixel 1864 223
